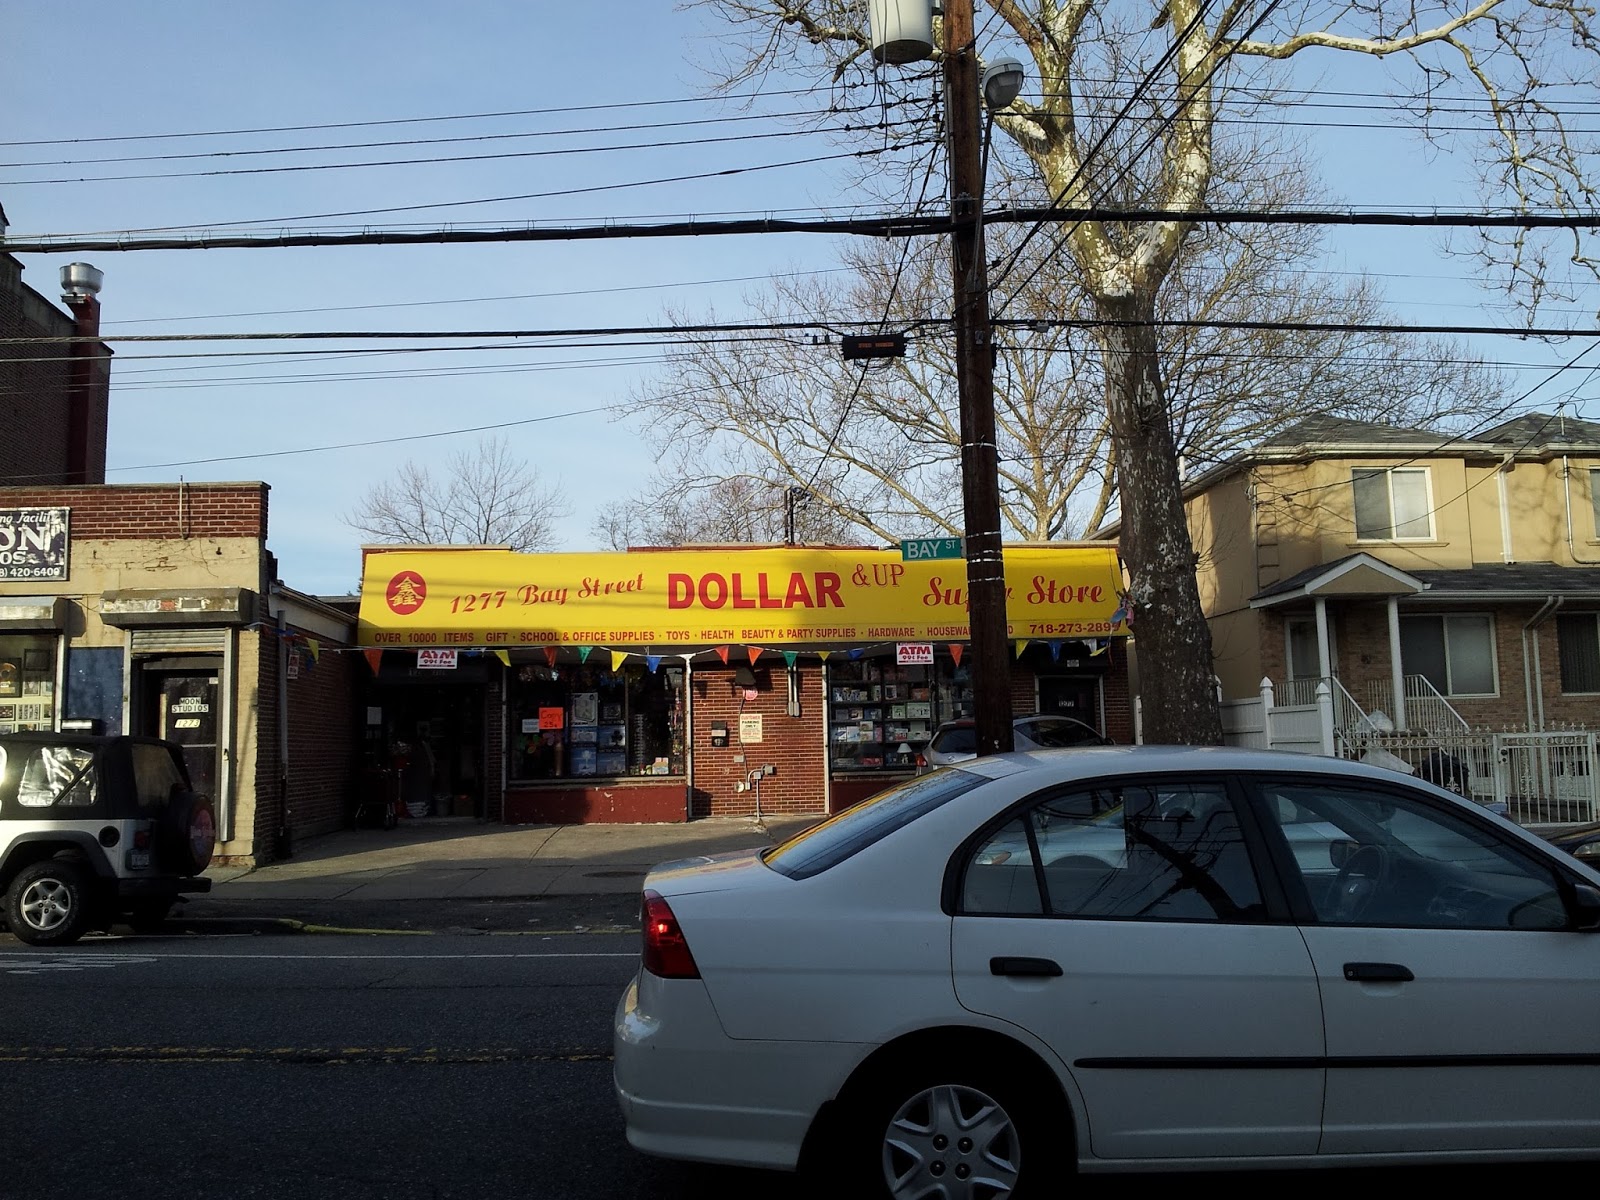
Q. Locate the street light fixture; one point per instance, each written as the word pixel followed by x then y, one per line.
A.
pixel 1002 82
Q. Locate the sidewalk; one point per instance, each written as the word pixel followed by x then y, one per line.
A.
pixel 467 872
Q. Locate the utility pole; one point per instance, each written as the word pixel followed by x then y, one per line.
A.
pixel 980 469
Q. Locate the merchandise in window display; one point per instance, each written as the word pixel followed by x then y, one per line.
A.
pixel 876 706
pixel 631 721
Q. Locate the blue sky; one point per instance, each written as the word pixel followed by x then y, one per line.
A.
pixel 99 69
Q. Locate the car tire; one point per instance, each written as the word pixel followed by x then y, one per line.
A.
pixel 49 903
pixel 187 836
pixel 959 1129
pixel 148 916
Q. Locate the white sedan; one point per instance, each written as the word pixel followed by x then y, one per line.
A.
pixel 890 995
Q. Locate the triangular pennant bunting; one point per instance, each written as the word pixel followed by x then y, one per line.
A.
pixel 652 661
pixel 788 658
pixel 316 648
pixel 549 656
pixel 754 653
pixel 722 653
pixel 1055 649
pixel 955 652
pixel 583 653
pixel 618 657
pixel 1022 644
pixel 504 656
pixel 374 659
pixel 823 654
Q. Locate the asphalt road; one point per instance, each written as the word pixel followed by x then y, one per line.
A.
pixel 315 1066
pixel 293 1066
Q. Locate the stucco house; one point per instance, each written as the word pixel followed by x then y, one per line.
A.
pixel 1441 586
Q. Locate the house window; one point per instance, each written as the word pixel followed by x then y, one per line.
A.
pixel 1579 635
pixel 1455 653
pixel 1392 504
pixel 1594 502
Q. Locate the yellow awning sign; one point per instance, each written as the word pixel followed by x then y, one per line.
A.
pixel 767 596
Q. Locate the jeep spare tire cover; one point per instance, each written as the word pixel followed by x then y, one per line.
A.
pixel 188 835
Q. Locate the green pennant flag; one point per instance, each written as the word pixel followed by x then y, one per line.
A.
pixel 583 653
pixel 788 658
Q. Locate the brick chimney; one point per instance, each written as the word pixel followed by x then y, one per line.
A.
pixel 80 288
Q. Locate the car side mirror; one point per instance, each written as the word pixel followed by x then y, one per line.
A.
pixel 1585 906
pixel 1339 852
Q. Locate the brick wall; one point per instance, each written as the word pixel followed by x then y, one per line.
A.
pixel 796 746
pixel 106 512
pixel 34 387
pixel 323 742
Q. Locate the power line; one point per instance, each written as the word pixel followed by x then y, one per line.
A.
pixel 258 151
pixel 832 325
pixel 882 226
pixel 523 112
pixel 453 158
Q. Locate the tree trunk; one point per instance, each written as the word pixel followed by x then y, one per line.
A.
pixel 1177 689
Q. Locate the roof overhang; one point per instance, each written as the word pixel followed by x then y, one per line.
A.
pixel 192 606
pixel 26 614
pixel 1358 575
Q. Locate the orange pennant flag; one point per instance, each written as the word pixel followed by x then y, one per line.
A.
pixel 956 649
pixel 373 657
pixel 722 653
pixel 754 652
pixel 550 656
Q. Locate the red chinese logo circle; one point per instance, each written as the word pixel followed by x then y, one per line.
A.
pixel 406 593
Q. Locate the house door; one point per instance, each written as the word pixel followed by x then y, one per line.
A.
pixel 180 704
pixel 1301 649
pixel 1071 696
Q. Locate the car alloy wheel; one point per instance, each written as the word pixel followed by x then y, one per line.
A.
pixel 48 904
pixel 951 1141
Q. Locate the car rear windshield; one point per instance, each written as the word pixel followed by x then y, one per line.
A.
pixel 836 839
pixel 1061 732
pixel 959 739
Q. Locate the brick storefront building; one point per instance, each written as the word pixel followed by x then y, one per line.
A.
pixel 156 608
pixel 666 685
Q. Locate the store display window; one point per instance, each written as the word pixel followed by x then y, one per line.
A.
pixel 881 714
pixel 583 721
pixel 27 681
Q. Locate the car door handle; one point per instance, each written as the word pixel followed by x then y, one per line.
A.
pixel 1041 967
pixel 1373 972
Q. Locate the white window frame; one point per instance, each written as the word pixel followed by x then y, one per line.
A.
pixel 1449 692
pixel 1388 474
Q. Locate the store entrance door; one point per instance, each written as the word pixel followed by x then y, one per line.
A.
pixel 180 703
pixel 1071 696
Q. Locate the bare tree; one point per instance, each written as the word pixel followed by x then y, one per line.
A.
pixel 486 496
pixel 682 506
pixel 879 449
pixel 1129 101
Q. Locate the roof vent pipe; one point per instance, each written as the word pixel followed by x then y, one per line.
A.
pixel 80 279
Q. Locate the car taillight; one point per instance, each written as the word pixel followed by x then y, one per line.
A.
pixel 666 953
pixel 922 760
pixel 141 839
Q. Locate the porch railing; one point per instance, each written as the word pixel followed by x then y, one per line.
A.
pixel 1426 708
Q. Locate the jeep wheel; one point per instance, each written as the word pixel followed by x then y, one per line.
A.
pixel 48 903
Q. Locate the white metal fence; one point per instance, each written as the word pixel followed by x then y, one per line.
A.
pixel 1547 777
